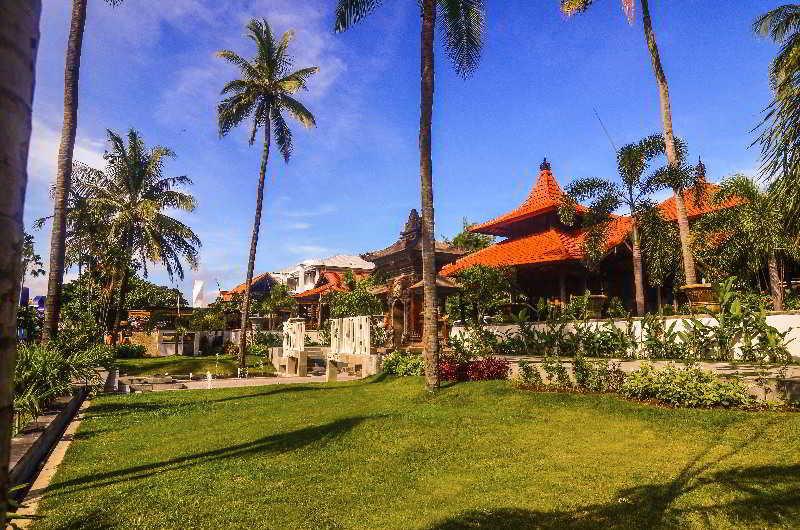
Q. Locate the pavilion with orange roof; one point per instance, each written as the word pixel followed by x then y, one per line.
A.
pixel 548 255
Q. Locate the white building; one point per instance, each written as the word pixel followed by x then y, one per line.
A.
pixel 306 274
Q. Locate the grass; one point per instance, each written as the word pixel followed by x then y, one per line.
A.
pixel 382 454
pixel 224 366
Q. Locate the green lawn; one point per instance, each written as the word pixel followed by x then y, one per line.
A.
pixel 383 454
pixel 225 365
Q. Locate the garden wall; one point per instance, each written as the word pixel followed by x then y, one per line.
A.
pixel 783 321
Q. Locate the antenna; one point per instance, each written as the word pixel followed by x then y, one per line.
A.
pixel 613 145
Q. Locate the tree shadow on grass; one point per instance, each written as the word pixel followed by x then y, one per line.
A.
pixel 757 495
pixel 274 443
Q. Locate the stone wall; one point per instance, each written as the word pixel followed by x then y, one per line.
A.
pixel 783 321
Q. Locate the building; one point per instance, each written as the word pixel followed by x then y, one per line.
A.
pixel 548 256
pixel 401 265
pixel 306 275
pixel 259 288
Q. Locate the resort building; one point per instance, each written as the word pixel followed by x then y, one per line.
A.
pixel 548 256
pixel 401 264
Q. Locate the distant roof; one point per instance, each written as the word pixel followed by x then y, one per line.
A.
pixel 410 238
pixel 331 281
pixel 346 261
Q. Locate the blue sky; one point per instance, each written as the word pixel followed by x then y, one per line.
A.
pixel 353 179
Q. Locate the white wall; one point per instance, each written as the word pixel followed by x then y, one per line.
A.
pixel 789 320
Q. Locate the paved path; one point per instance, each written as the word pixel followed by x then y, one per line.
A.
pixel 262 381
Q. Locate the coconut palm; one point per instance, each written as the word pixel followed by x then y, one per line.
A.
pixel 572 7
pixel 463 24
pixel 780 130
pixel 132 196
pixel 264 92
pixel 632 194
pixel 55 282
pixel 751 235
pixel 19 33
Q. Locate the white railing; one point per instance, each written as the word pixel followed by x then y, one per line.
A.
pixel 294 335
pixel 350 336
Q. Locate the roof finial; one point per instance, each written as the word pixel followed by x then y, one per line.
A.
pixel 700 169
pixel 545 165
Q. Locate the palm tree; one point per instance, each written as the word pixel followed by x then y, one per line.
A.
pixel 19 33
pixel 132 196
pixel 571 7
pixel 633 194
pixel 463 25
pixel 55 281
pixel 751 235
pixel 780 129
pixel 265 90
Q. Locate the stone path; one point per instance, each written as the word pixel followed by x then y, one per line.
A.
pixel 262 381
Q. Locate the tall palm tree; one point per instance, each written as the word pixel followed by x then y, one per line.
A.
pixel 19 33
pixel 633 194
pixel 751 235
pixel 780 130
pixel 572 7
pixel 55 281
pixel 463 25
pixel 264 91
pixel 132 197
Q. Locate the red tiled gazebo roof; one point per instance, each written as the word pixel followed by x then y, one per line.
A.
pixel 694 207
pixel 545 196
pixel 550 246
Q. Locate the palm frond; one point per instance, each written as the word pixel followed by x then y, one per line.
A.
pixel 298 111
pixel 350 12
pixel 282 134
pixel 297 80
pixel 464 24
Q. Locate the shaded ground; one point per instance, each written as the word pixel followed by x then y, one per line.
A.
pixel 381 453
pixel 222 366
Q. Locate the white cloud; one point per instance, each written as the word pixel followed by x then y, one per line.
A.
pixel 42 160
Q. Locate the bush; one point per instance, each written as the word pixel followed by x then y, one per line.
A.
pixel 488 368
pixel 597 376
pixel 453 367
pixel 230 348
pixel 268 339
pixel 404 364
pixel 43 373
pixel 129 351
pixel 529 375
pixel 687 386
pixel 259 350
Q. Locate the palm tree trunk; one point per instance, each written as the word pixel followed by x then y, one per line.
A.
pixel 669 141
pixel 430 328
pixel 638 279
pixel 123 291
pixel 19 41
pixel 775 283
pixel 58 236
pixel 251 261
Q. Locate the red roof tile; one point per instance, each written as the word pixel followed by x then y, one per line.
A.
pixel 695 208
pixel 550 246
pixel 545 196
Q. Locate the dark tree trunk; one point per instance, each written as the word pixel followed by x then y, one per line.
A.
pixel 669 141
pixel 123 292
pixel 19 42
pixel 638 277
pixel 58 236
pixel 775 283
pixel 251 260
pixel 430 328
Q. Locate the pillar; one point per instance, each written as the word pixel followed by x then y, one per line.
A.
pixel 562 286
pixel 302 364
pixel 331 371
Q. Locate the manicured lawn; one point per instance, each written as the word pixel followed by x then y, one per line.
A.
pixel 383 454
pixel 225 365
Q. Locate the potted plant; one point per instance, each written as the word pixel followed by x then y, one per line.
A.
pixel 702 297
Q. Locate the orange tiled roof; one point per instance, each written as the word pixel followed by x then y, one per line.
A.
pixel 330 281
pixel 545 196
pixel 695 208
pixel 550 246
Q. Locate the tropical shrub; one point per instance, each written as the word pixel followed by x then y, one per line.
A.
pixel 404 364
pixel 260 350
pixel 556 372
pixel 129 351
pixel 529 375
pixel 684 386
pixel 229 348
pixel 488 368
pixel 597 376
pixel 43 373
pixel 453 367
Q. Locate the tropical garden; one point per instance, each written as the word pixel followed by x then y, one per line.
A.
pixel 460 447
